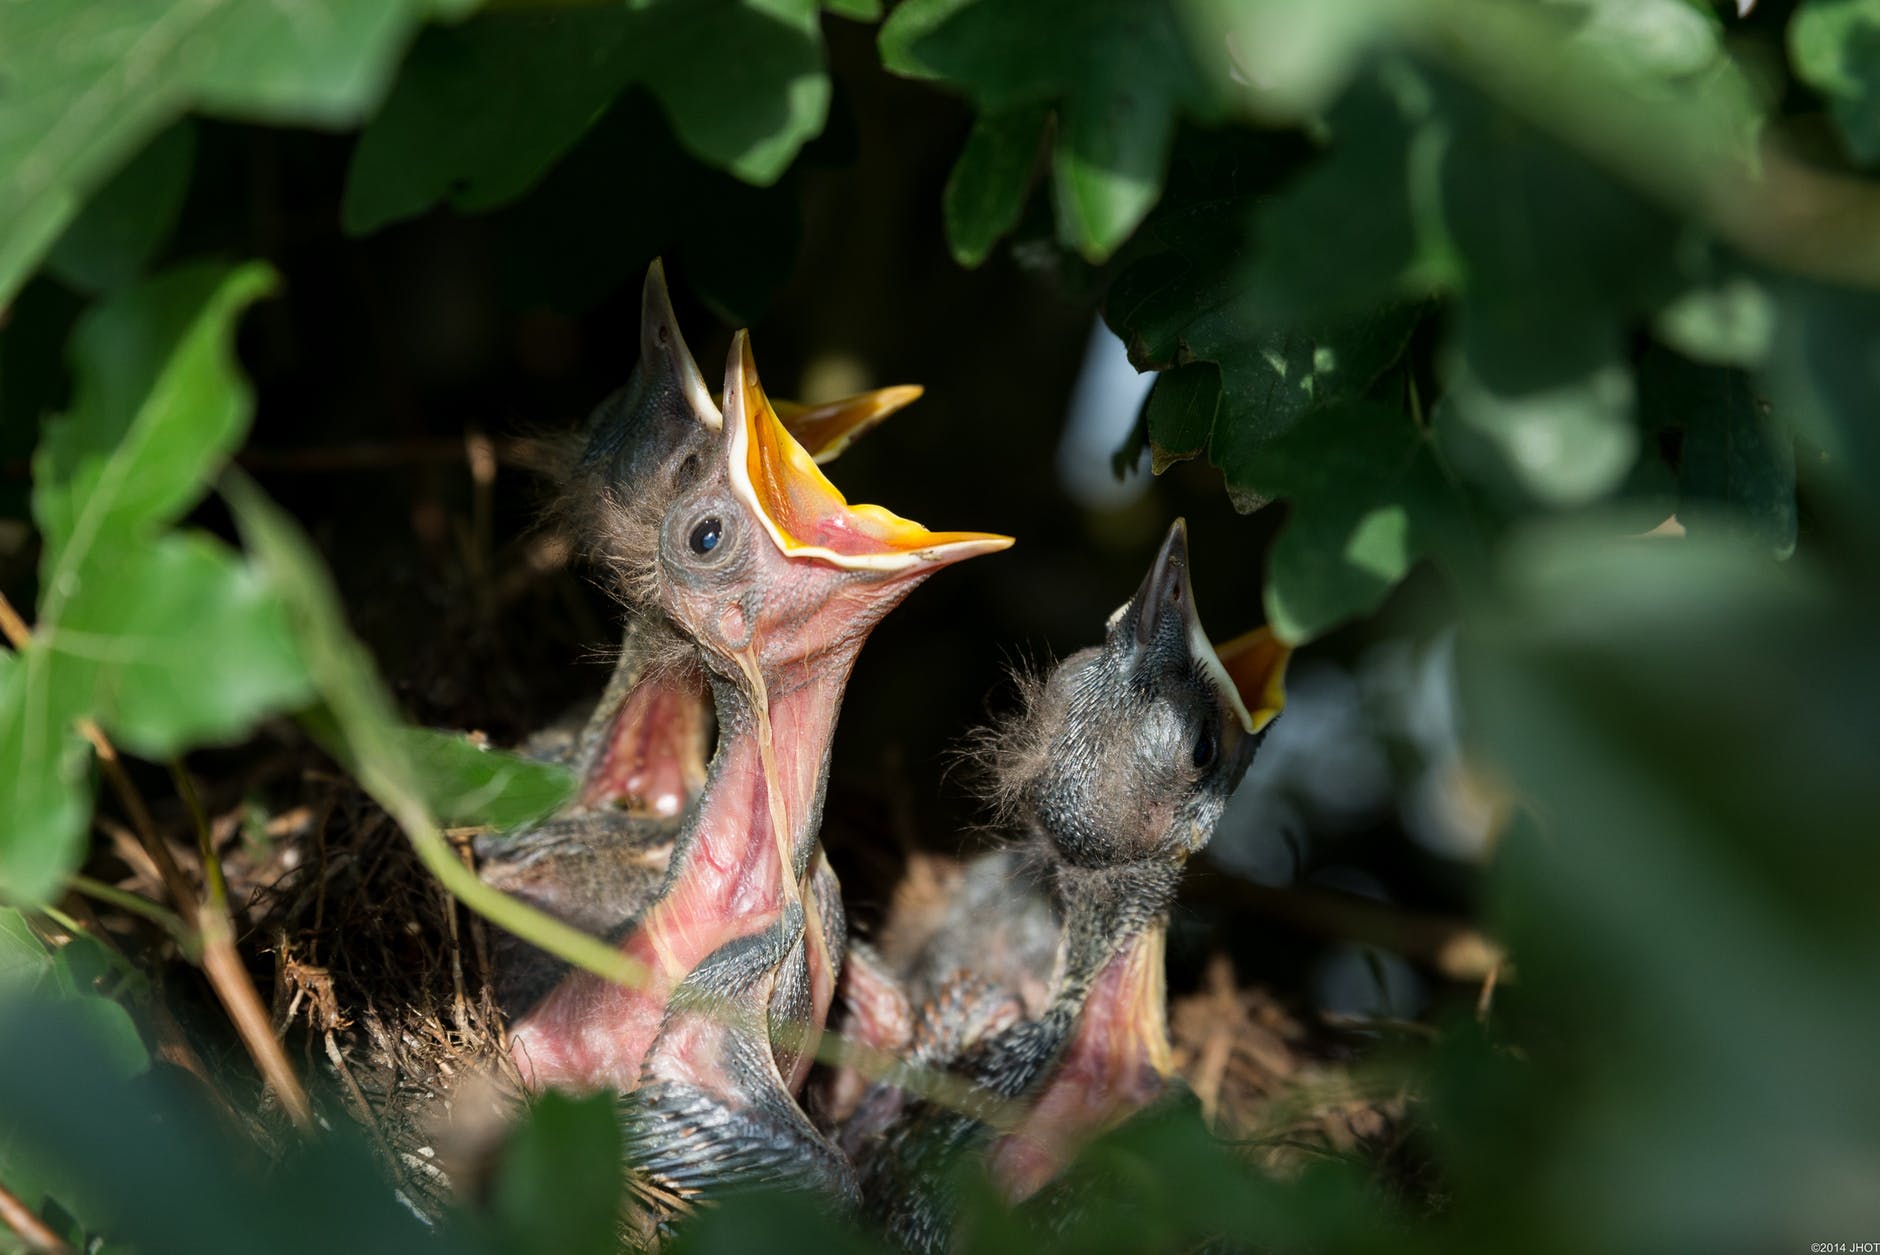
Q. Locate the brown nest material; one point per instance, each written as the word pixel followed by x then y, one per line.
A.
pixel 1288 1091
pixel 380 985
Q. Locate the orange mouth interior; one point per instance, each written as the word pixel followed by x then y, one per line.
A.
pixel 1256 663
pixel 806 515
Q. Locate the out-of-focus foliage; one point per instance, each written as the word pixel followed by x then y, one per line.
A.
pixel 89 83
pixel 1498 285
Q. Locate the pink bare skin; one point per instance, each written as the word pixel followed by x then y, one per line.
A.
pixel 1117 1063
pixel 652 763
pixel 727 883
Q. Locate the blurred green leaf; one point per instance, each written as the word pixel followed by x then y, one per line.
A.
pixel 166 639
pixel 143 1149
pixel 1726 319
pixel 1291 60
pixel 986 192
pixel 1835 45
pixel 1369 498
pixel 1555 255
pixel 1356 229
pixel 786 1224
pixel 1568 443
pixel 1687 719
pixel 1823 374
pixel 1119 74
pixel 127 220
pixel 466 783
pixel 89 82
pixel 558 1191
pixel 741 81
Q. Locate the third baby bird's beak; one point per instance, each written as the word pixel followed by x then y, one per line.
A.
pixel 1249 672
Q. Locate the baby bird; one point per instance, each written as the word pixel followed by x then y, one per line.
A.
pixel 1042 983
pixel 776 581
pixel 639 759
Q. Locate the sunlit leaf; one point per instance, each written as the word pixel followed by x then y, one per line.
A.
pixel 165 639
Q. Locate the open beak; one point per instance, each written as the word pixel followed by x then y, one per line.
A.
pixel 805 515
pixel 1249 671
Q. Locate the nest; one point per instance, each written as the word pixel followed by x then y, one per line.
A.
pixel 380 986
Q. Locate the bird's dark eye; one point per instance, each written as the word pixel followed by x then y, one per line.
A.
pixel 1204 749
pixel 706 535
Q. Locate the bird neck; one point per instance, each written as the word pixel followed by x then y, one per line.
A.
pixel 764 790
pixel 1100 1052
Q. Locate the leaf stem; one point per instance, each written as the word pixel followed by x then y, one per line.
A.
pixel 20 1218
pixel 17 633
pixel 205 840
pixel 220 963
pixel 136 904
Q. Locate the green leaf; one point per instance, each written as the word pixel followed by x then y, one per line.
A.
pixel 165 639
pixel 1736 469
pixel 451 131
pixel 856 10
pixel 986 192
pixel 130 217
pixel 1119 73
pixel 175 644
pixel 159 405
pixel 468 784
pixel 1186 297
pixel 1369 498
pixel 24 961
pixel 559 1186
pixel 1682 717
pixel 741 82
pixel 1181 410
pixel 1835 45
pixel 88 84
